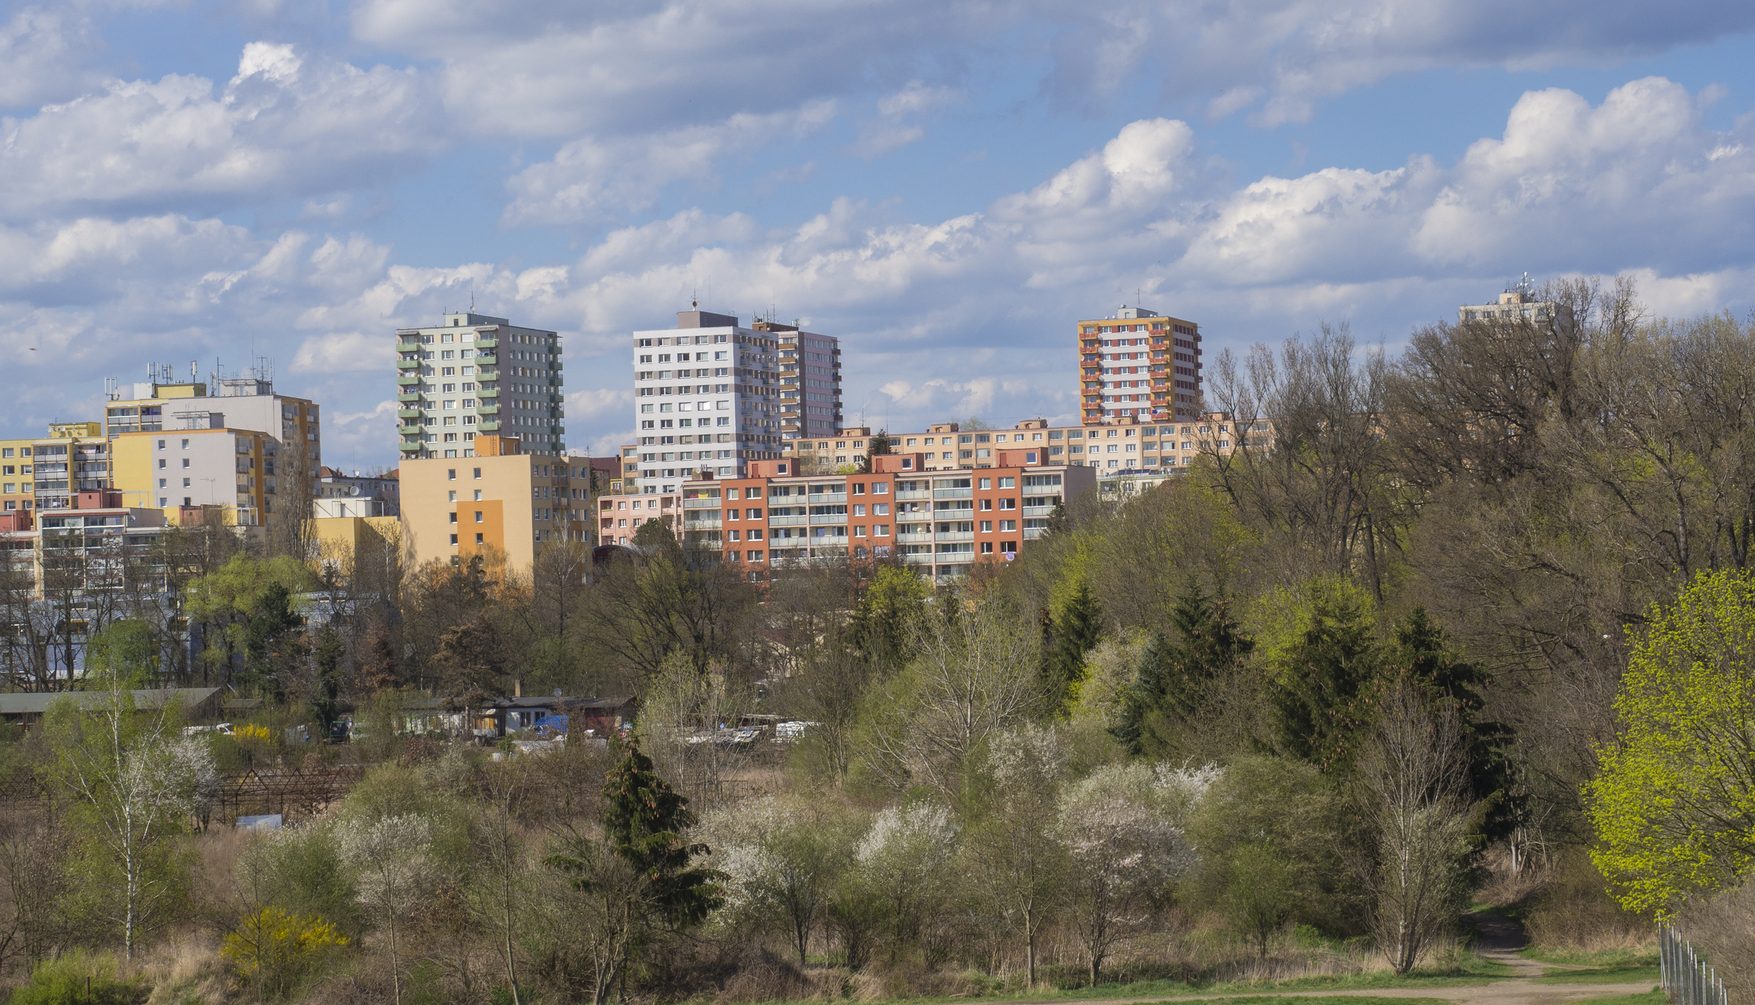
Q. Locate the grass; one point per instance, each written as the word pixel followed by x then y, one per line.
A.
pixel 1324 1000
pixel 1601 975
pixel 1619 957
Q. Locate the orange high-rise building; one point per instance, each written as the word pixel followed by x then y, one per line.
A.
pixel 1140 365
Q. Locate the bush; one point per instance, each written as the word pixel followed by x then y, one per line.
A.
pixel 275 950
pixel 79 979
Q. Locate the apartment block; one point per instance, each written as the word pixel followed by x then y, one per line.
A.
pixel 621 514
pixel 248 402
pixel 1111 448
pixel 17 475
pixel 1138 364
pixel 706 399
pixel 810 380
pixel 91 547
pixel 192 469
pixel 73 458
pixel 939 522
pixel 1519 302
pixel 475 375
pixel 502 503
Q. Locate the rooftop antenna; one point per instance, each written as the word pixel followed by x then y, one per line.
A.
pixel 472 296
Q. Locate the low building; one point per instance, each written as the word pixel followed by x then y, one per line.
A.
pixel 383 489
pixel 939 522
pixel 193 704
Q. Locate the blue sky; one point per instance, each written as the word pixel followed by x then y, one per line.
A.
pixel 947 187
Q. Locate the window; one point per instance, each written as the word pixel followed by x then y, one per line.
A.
pixel 478 516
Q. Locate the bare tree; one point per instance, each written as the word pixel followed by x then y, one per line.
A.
pixel 1413 788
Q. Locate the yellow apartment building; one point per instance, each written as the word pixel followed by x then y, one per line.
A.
pixel 502 504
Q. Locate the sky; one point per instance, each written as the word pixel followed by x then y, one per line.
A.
pixel 946 186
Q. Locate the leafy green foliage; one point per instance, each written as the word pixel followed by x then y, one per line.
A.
pixel 1674 805
pixel 1179 678
pixel 79 979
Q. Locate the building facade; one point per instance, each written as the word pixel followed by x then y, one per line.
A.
pixel 810 381
pixel 620 515
pixel 1518 303
pixel 502 503
pixel 475 375
pixel 73 458
pixel 706 399
pixel 1108 447
pixel 941 523
pixel 1140 365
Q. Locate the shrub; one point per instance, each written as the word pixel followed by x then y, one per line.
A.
pixel 274 949
pixel 79 979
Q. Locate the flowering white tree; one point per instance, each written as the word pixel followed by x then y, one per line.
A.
pixel 1120 827
pixel 906 860
pixel 390 858
pixel 1011 843
pixel 135 783
pixel 779 858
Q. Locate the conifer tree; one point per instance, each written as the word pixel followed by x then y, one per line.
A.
pixel 1178 677
pixel 1071 636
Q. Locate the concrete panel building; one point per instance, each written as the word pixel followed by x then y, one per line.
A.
pixel 940 522
pixel 706 399
pixel 474 375
pixel 502 503
pixel 1138 364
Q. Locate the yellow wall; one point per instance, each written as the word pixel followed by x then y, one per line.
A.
pixel 23 486
pixel 131 471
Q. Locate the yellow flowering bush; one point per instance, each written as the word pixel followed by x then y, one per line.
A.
pixel 274 948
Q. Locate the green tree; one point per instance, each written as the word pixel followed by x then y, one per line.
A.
pixel 1673 805
pixel 1324 680
pixel 247 607
pixel 1179 680
pixel 644 878
pixel 883 622
pixel 132 785
pixel 1071 635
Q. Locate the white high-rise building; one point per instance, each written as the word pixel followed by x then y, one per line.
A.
pixel 706 399
pixel 476 374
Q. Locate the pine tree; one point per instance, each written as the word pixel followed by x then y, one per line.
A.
pixel 1176 681
pixel 1325 684
pixel 1071 636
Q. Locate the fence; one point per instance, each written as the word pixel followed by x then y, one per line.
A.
pixel 1686 975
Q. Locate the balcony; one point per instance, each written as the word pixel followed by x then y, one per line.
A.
pixel 914 494
pixel 489 409
pixel 954 536
pixel 953 492
pixel 408 379
pixel 407 363
pixel 826 498
pixel 829 541
pixel 701 502
pixel 484 341
pixel 408 413
pixel 488 392
pixel 408 397
pixel 1038 510
pixel 914 538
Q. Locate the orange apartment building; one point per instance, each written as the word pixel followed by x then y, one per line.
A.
pixel 941 522
pixel 500 504
pixel 1139 364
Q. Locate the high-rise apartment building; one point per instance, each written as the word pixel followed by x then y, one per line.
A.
pixel 706 399
pixel 475 375
pixel 1520 302
pixel 810 380
pixel 1138 364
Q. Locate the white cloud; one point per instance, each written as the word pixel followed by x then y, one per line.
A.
pixel 41 48
pixel 610 177
pixel 283 125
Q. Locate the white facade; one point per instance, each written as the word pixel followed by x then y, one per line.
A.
pixel 706 399
pixel 476 374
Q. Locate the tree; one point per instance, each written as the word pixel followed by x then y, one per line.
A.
pixel 1272 834
pixel 247 609
pixel 1673 805
pixel 1016 856
pixel 781 858
pixel 471 664
pixel 1324 678
pixel 1119 828
pixel 1181 680
pixel 921 726
pixel 1071 635
pixel 644 877
pixel 1412 785
pixel 393 874
pixel 882 628
pixel 905 864
pixel 132 783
